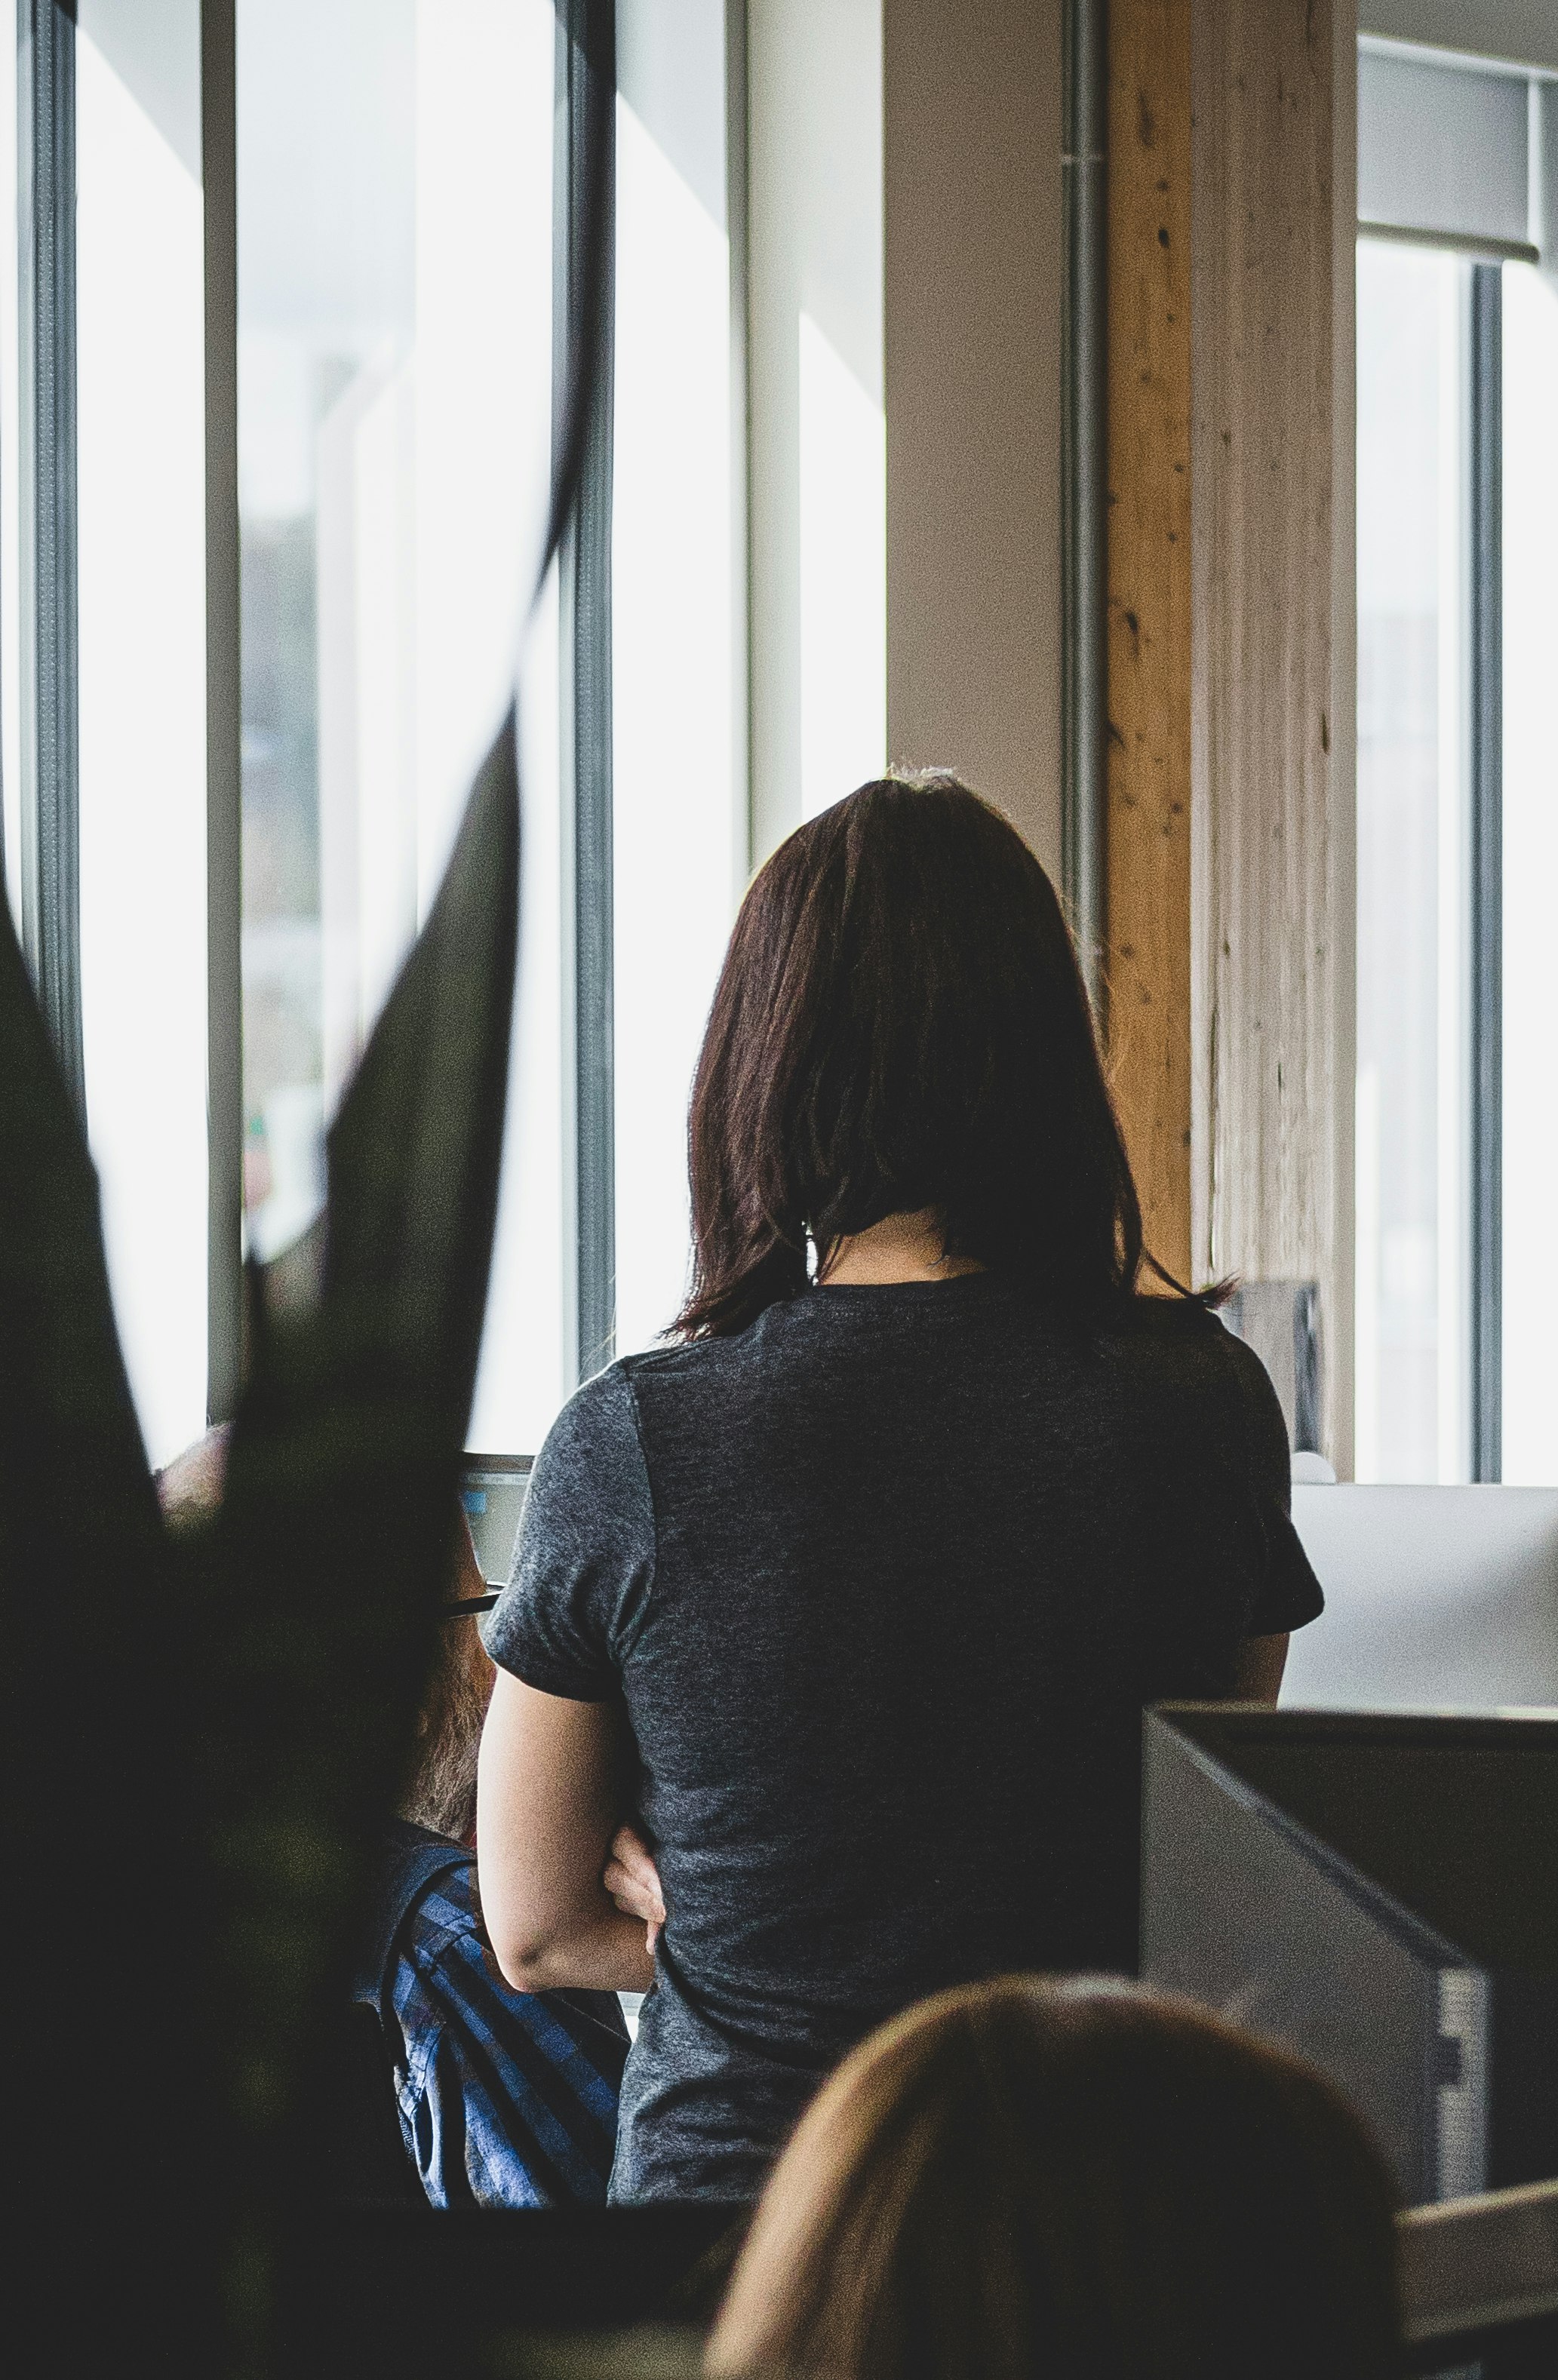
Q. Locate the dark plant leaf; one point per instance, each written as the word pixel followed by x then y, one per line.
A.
pixel 107 2059
pixel 202 1734
pixel 325 1570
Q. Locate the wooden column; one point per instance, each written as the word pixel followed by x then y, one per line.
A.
pixel 1271 910
pixel 1230 681
pixel 1148 961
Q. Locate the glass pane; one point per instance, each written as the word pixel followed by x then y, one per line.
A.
pixel 10 498
pixel 1412 1410
pixel 1531 872
pixel 394 391
pixel 680 832
pixel 141 462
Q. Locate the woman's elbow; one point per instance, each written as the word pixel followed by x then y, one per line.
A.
pixel 531 1956
pixel 527 1970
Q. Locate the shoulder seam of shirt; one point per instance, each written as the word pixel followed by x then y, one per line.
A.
pixel 649 1496
pixel 660 1359
pixel 644 1359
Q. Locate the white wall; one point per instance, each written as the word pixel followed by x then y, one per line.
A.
pixel 973 270
pixel 817 470
pixel 679 795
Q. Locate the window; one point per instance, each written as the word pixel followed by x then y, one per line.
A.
pixel 140 595
pixel 1529 1011
pixel 1457 514
pixel 102 631
pixel 402 175
pixel 394 354
pixel 283 318
pixel 1413 1088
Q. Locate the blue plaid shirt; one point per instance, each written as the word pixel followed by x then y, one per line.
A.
pixel 506 2098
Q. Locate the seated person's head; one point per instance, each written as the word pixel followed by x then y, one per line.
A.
pixel 1023 2178
pixel 439 1790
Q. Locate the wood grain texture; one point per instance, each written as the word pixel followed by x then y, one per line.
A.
pixel 1147 933
pixel 1268 860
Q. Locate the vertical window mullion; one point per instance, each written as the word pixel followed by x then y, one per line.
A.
pixel 224 680
pixel 51 815
pixel 589 79
pixel 1487 871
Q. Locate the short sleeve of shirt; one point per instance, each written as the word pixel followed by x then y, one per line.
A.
pixel 1288 1595
pixel 584 1563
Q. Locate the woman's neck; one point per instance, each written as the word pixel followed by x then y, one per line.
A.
pixel 901 1247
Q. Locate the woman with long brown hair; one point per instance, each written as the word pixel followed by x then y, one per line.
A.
pixel 1026 2180
pixel 851 1596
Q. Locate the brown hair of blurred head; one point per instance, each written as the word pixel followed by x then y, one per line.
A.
pixel 1069 2180
pixel 440 1789
pixel 900 1025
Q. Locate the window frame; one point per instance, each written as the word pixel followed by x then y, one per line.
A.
pixel 587 82
pixel 1485 600
pixel 1481 599
pixel 50 649
pixel 49 809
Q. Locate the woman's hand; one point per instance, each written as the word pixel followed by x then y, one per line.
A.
pixel 633 1881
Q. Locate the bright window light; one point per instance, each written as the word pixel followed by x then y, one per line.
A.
pixel 395 354
pixel 140 298
pixel 1530 871
pixel 11 503
pixel 1412 1398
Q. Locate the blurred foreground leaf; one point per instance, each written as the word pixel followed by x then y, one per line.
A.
pixel 204 1733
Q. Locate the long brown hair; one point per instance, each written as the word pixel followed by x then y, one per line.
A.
pixel 900 1025
pixel 1034 2180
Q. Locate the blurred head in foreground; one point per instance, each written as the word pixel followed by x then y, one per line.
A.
pixel 1074 2179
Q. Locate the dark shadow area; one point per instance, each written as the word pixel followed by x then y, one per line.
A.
pixel 384 2292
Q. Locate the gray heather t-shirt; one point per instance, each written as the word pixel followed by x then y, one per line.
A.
pixel 884 1584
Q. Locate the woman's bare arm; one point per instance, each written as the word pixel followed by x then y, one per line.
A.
pixel 548 1805
pixel 1262 1663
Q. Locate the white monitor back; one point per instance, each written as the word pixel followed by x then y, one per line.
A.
pixel 1437 1598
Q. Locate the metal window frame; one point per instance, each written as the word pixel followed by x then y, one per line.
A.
pixel 223 715
pixel 586 90
pixel 1486 604
pixel 50 806
pixel 50 648
pixel 1482 917
pixel 737 187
